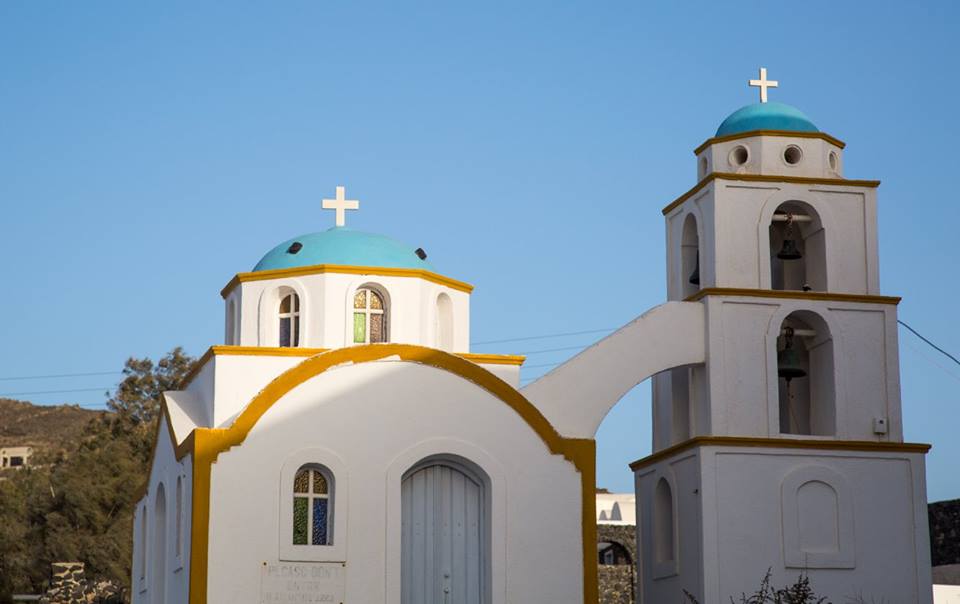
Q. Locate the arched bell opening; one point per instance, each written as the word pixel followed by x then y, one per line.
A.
pixel 805 376
pixel 690 256
pixel 798 258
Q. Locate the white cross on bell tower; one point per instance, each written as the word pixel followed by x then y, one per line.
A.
pixel 341 205
pixel 763 83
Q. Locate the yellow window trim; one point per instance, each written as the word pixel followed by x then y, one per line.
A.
pixel 207 443
pixel 791 295
pixel 319 269
pixel 732 137
pixel 275 351
pixel 779 443
pixel 805 180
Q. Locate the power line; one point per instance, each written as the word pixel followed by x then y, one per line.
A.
pixel 552 335
pixel 932 345
pixel 56 391
pixel 57 375
pixel 581 347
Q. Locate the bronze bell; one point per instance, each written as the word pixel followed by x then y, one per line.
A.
pixel 789 250
pixel 788 360
pixel 695 275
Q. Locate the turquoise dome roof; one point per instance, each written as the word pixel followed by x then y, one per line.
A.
pixel 344 246
pixel 766 116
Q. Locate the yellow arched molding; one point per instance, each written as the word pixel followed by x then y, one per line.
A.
pixel 318 269
pixel 208 443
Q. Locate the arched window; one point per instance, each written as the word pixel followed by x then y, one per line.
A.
pixel 663 538
pixel 230 337
pixel 613 553
pixel 290 321
pixel 690 257
pixel 798 259
pixel 159 570
pixel 178 537
pixel 805 370
pixel 369 317
pixel 444 322
pixel 143 547
pixel 313 506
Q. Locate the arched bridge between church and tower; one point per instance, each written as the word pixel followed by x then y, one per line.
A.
pixel 576 396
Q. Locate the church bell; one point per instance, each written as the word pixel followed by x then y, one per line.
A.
pixel 695 275
pixel 789 251
pixel 788 360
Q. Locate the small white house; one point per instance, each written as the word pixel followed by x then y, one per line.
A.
pixel 15 457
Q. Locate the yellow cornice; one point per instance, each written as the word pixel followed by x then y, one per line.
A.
pixel 780 443
pixel 208 443
pixel 805 180
pixel 274 351
pixel 791 295
pixel 732 137
pixel 318 269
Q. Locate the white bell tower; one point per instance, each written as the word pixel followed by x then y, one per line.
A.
pixel 784 450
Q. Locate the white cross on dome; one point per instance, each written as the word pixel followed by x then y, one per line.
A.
pixel 763 83
pixel 341 205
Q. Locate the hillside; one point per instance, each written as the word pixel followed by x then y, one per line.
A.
pixel 46 428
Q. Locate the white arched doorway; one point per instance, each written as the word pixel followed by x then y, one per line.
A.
pixel 159 570
pixel 444 534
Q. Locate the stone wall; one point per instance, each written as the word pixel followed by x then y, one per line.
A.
pixel 618 583
pixel 944 517
pixel 68 585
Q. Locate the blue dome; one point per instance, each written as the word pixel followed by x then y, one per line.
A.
pixel 766 116
pixel 343 246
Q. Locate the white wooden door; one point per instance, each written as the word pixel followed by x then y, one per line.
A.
pixel 443 550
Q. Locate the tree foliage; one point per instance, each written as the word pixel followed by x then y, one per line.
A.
pixel 79 507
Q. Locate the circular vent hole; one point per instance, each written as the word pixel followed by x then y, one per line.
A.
pixel 739 155
pixel 834 161
pixel 792 155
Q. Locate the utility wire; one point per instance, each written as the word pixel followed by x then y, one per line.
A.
pixel 58 375
pixel 56 391
pixel 931 344
pixel 552 335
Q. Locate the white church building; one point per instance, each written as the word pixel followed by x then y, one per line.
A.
pixel 344 444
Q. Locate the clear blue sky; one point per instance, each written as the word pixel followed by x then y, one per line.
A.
pixel 150 152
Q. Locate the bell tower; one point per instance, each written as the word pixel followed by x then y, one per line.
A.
pixel 784 449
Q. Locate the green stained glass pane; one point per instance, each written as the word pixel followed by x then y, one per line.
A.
pixel 359 328
pixel 319 483
pixel 300 510
pixel 301 483
pixel 360 299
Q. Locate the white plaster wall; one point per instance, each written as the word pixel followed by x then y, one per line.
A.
pixel 683 474
pixel 765 156
pixel 165 469
pixel 742 370
pixel 731 530
pixel 326 307
pixel 946 594
pixel 377 417
pixel 888 495
pixel 734 218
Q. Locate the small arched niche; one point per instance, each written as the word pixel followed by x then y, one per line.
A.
pixel 444 327
pixel 663 525
pixel 611 553
pixel 690 257
pixel 805 376
pixel 798 259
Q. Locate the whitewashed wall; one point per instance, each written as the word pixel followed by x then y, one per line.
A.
pixel 379 419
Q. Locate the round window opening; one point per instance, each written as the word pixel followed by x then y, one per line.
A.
pixel 792 155
pixel 739 155
pixel 834 161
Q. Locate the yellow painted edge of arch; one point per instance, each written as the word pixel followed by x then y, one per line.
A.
pixel 318 269
pixel 208 443
pixel 805 180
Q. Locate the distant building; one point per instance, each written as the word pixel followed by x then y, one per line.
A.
pixel 15 457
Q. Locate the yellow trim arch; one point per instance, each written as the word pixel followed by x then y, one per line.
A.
pixel 208 443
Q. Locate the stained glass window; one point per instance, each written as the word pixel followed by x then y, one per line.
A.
pixel 289 321
pixel 369 317
pixel 311 507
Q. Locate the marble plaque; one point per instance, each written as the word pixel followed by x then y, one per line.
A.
pixel 302 583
